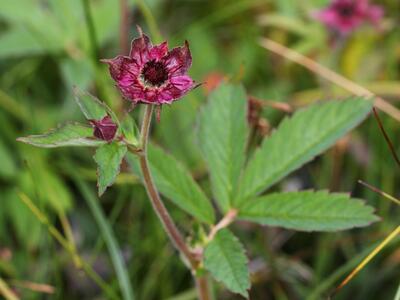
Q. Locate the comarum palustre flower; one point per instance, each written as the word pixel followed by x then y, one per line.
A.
pixel 344 16
pixel 152 74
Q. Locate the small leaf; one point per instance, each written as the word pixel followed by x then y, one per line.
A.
pixel 223 134
pixel 175 182
pixel 70 134
pixel 108 158
pixel 308 211
pixel 130 130
pixel 226 260
pixel 91 107
pixel 298 140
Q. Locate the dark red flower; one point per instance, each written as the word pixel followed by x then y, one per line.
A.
pixel 346 15
pixel 104 129
pixel 152 74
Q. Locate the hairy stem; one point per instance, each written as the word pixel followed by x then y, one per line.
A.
pixel 166 220
pixel 202 287
pixel 225 222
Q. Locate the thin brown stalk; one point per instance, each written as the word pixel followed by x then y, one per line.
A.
pixel 380 192
pixel 34 287
pixel 330 75
pixel 388 141
pixel 282 106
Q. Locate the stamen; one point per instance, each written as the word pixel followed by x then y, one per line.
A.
pixel 154 73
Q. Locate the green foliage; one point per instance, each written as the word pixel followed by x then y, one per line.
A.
pixel 130 130
pixel 17 42
pixel 226 260
pixel 308 211
pixel 175 182
pixel 27 229
pixel 108 158
pixel 91 107
pixel 8 167
pixel 45 50
pixel 70 134
pixel 110 240
pixel 222 136
pixel 298 140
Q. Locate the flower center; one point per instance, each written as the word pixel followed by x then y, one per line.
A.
pixel 154 73
pixel 346 10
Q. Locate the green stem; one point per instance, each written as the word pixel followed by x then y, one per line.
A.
pixel 155 199
pixel 91 29
pixel 150 20
pixel 166 220
pixel 202 287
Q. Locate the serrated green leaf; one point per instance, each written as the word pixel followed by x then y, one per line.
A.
pixel 298 140
pixel 223 134
pixel 226 260
pixel 174 181
pixel 108 158
pixel 130 130
pixel 309 211
pixel 70 134
pixel 91 107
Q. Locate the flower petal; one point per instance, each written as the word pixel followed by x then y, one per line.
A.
pixel 346 15
pixel 184 83
pixel 178 60
pixel 375 13
pixel 133 92
pixel 159 51
pixel 140 49
pixel 123 69
pixel 178 87
pixel 168 95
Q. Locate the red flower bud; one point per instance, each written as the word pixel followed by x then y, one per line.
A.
pixel 104 129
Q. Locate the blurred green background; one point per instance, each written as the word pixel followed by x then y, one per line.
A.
pixel 48 46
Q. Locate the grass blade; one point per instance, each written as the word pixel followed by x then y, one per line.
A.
pixel 109 238
pixel 366 260
pixel 6 292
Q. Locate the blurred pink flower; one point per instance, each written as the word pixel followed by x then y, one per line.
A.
pixel 104 129
pixel 152 74
pixel 345 16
